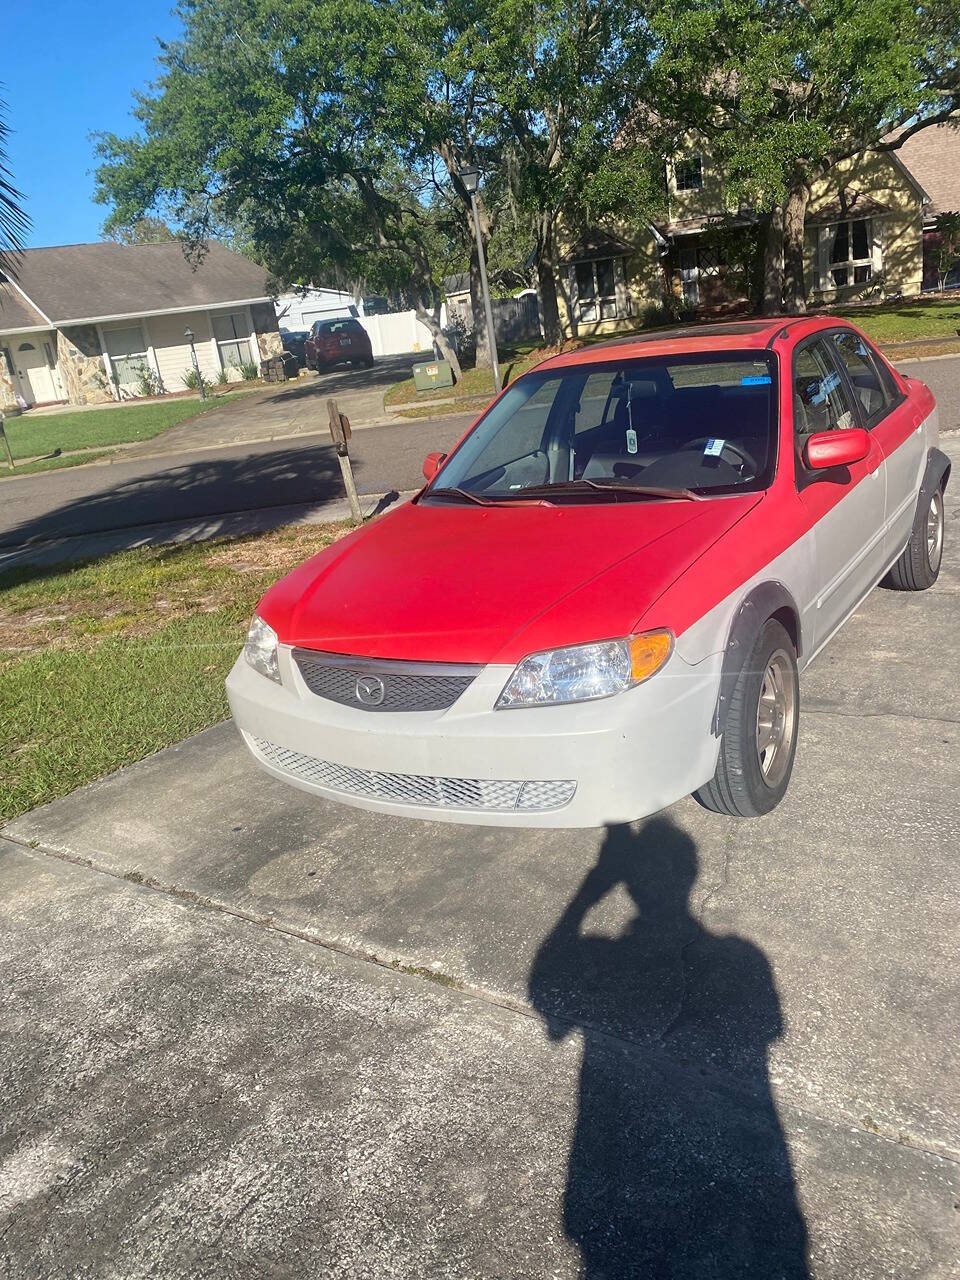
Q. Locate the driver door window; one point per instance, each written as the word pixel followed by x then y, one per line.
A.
pixel 821 401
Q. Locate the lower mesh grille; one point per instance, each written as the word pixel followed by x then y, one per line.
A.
pixel 416 789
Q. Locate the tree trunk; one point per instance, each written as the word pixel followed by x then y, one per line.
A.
pixel 794 285
pixel 773 264
pixel 432 320
pixel 547 281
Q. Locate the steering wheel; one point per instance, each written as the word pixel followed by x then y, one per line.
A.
pixel 743 460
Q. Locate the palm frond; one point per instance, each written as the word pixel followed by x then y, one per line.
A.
pixel 14 223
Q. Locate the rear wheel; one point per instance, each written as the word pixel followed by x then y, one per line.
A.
pixel 919 564
pixel 760 732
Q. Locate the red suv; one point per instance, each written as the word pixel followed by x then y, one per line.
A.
pixel 340 341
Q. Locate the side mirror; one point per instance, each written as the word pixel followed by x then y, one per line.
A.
pixel 431 465
pixel 836 448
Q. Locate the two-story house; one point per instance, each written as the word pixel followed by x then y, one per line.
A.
pixel 864 240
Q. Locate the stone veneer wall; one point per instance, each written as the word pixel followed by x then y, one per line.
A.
pixel 266 328
pixel 81 365
pixel 8 396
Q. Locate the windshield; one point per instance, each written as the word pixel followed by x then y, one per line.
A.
pixel 688 425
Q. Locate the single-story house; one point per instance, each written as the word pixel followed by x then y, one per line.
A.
pixel 90 323
pixel 864 238
pixel 300 308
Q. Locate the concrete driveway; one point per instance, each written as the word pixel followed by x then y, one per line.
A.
pixel 288 409
pixel 251 1033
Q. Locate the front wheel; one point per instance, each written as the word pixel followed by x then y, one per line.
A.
pixel 759 741
pixel 919 564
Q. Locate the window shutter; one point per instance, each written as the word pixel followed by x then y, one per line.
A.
pixel 620 285
pixel 876 226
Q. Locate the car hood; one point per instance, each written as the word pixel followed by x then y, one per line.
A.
pixel 452 583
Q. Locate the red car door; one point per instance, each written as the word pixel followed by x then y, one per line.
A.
pixel 896 423
pixel 844 507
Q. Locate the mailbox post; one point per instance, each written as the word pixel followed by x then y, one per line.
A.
pixel 340 432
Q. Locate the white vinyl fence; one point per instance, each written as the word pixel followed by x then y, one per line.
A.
pixel 396 333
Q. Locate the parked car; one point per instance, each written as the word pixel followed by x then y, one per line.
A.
pixel 605 596
pixel 340 341
pixel 294 341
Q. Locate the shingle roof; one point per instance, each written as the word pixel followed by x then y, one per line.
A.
pixel 596 243
pixel 933 158
pixel 94 281
pixel 15 311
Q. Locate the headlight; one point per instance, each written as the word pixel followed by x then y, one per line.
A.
pixel 261 649
pixel 586 671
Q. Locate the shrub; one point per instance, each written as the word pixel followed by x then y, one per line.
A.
pixel 222 379
pixel 194 381
pixel 148 382
pixel 669 311
pixel 249 369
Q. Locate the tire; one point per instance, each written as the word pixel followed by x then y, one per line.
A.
pixel 748 782
pixel 919 565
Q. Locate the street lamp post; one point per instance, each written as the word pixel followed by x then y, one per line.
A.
pixel 470 177
pixel 189 335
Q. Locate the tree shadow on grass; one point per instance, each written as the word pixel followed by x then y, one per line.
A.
pixel 678 1165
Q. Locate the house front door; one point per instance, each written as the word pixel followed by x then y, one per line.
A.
pixel 690 276
pixel 33 371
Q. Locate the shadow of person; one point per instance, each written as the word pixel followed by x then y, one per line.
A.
pixel 678 1165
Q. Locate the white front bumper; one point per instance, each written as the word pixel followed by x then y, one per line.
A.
pixel 628 756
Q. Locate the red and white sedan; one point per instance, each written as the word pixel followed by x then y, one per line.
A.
pixel 605 596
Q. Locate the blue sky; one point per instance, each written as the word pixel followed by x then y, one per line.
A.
pixel 70 69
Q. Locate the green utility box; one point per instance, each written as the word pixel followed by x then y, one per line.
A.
pixel 432 373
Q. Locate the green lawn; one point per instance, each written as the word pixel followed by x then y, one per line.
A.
pixel 94 428
pixel 104 663
pixel 908 321
pixel 473 384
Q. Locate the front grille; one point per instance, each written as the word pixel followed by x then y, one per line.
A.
pixel 406 686
pixel 416 789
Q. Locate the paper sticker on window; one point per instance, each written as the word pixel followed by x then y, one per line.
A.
pixel 713 448
pixel 829 383
pixel 631 441
pixel 759 380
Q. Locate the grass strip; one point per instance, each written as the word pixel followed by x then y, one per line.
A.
pixel 106 662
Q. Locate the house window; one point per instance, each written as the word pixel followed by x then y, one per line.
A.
pixel 850 252
pixel 597 290
pixel 128 354
pixel 688 174
pixel 232 333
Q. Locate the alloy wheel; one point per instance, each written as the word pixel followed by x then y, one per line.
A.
pixel 776 718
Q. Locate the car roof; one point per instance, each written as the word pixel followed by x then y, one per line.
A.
pixel 698 339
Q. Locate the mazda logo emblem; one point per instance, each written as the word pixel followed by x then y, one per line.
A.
pixel 370 690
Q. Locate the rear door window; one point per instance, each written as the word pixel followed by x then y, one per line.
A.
pixel 861 366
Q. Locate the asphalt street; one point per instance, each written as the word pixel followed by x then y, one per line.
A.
pixel 250 477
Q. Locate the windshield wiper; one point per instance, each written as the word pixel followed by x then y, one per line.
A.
pixel 616 486
pixel 645 490
pixel 459 493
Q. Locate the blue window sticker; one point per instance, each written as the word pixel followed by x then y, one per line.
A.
pixel 829 383
pixel 713 448
pixel 757 380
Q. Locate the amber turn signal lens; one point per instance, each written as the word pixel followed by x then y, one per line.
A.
pixel 648 653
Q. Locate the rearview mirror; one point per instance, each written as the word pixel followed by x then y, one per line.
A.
pixel 836 448
pixel 431 465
